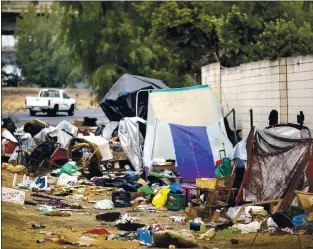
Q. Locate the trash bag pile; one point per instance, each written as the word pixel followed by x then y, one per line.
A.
pixel 96 165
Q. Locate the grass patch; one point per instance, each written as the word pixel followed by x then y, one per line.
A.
pixel 229 232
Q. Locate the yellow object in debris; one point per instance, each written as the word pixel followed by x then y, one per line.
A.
pixel 14 169
pixel 172 247
pixel 160 198
pixel 206 183
pixel 142 182
pixel 208 235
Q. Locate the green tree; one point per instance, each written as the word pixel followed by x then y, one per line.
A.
pixel 193 30
pixel 109 40
pixel 284 38
pixel 241 31
pixel 184 28
pixel 42 60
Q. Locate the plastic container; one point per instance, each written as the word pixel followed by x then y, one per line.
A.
pixel 197 227
pixel 176 202
pixel 121 199
pixel 300 221
pixel 206 182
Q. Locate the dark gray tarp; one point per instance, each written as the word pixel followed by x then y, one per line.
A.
pixel 276 166
pixel 120 101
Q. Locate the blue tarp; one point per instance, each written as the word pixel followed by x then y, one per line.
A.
pixel 193 152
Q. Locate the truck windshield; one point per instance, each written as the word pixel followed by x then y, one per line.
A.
pixel 50 94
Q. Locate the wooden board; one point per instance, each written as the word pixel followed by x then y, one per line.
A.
pixel 274 210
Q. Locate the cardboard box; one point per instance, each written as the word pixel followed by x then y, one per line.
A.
pixel 193 212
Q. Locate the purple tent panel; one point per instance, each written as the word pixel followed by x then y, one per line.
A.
pixel 193 152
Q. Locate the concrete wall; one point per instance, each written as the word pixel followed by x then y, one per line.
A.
pixel 285 85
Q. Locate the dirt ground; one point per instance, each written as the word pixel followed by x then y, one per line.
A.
pixel 17 232
pixel 13 98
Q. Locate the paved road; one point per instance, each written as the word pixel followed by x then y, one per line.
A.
pixel 20 118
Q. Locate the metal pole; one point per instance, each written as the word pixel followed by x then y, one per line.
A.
pixel 251 119
pixel 137 99
pixel 234 124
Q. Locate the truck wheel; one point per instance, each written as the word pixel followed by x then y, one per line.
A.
pixel 32 113
pixel 71 111
pixel 53 112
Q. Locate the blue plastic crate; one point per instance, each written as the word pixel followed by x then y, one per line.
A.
pixel 301 220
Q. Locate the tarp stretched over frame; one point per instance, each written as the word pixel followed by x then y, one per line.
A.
pixel 276 166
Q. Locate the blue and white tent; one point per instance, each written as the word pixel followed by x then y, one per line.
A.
pixel 186 125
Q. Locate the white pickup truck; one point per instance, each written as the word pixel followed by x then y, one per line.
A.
pixel 51 102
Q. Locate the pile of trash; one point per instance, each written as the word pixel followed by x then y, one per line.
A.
pixel 86 166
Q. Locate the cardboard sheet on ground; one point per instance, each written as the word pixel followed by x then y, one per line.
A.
pixel 13 195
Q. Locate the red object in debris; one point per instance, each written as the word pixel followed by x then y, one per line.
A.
pixel 218 163
pixel 9 147
pixel 83 131
pixel 100 231
pixel 60 154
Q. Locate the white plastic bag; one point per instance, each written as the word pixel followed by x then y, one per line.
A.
pixel 104 204
pixel 65 179
pixel 271 224
pixel 233 211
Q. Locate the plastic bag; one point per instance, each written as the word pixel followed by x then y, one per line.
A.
pixel 104 204
pixel 69 169
pixel 160 198
pixel 65 180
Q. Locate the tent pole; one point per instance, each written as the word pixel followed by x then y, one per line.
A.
pixel 145 90
pixel 154 129
pixel 251 119
pixel 234 124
